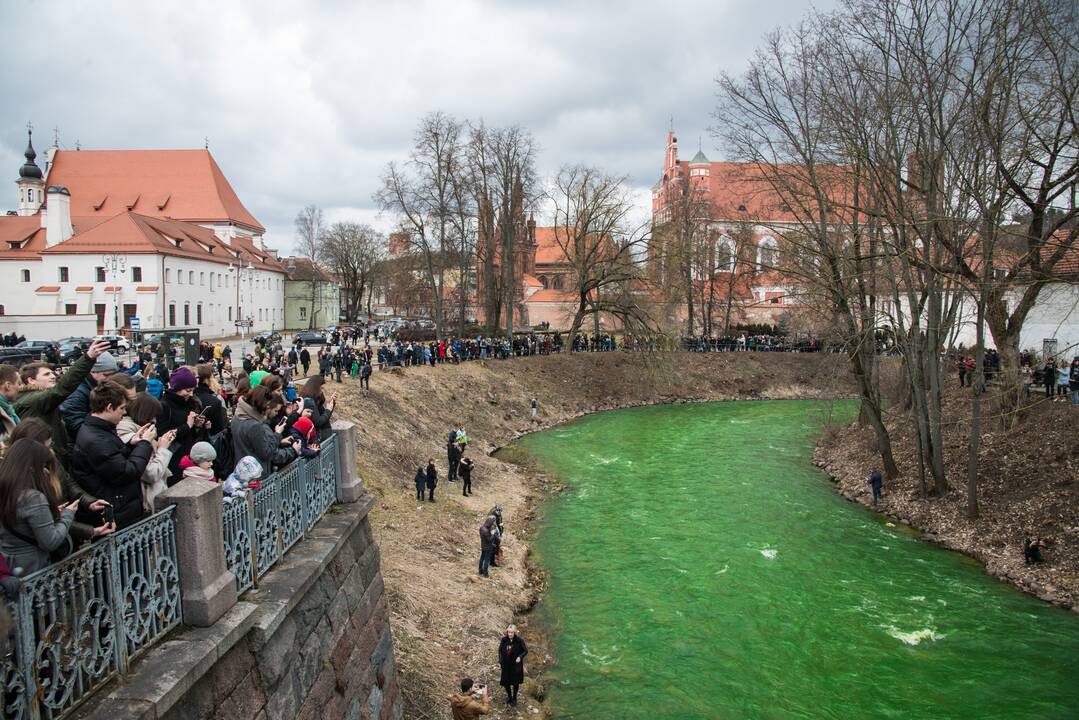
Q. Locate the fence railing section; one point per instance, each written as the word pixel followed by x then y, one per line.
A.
pixel 261 526
pixel 84 619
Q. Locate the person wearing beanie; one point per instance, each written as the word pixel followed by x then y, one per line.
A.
pixel 200 462
pixel 181 411
pixel 256 377
pixel 77 406
pixel 304 431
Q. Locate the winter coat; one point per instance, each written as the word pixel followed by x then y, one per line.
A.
pixel 77 407
pixel 155 478
pixel 8 418
pixel 466 707
pixel 322 418
pixel 173 416
pixel 215 408
pixel 420 479
pixel 432 476
pixel 34 519
pixel 513 672
pixel 45 404
pixel 305 451
pixel 110 469
pixel 251 436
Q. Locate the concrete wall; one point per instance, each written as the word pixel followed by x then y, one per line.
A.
pixel 313 641
pixel 49 327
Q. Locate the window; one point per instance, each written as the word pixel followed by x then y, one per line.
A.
pixel 556 282
pixel 230 313
pixel 136 274
pixel 303 312
pixel 211 282
pixel 187 313
pixel 543 281
pixel 26 275
pixel 198 314
pixel 724 254
pixel 190 277
pixel 63 274
pixel 1 309
pixel 70 309
pixel 202 278
pixel 768 253
pixel 168 275
pixel 172 314
pixel 99 274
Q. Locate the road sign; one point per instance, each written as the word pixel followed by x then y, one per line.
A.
pixel 136 324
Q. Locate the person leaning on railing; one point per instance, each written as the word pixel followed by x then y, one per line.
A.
pixel 34 518
pixel 252 436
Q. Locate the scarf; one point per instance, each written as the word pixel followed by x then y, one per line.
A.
pixel 8 409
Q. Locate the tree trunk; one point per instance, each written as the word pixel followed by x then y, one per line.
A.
pixel 976 411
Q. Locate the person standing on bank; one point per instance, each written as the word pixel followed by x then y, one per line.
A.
pixel 511 655
pixel 533 406
pixel 432 479
pixel 465 471
pixel 875 481
pixel 421 482
pixel 487 544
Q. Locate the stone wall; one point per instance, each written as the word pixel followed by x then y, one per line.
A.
pixel 311 641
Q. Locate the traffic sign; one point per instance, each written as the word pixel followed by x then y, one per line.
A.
pixel 136 324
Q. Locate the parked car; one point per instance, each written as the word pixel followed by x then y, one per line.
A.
pixel 37 347
pixel 72 348
pixel 17 356
pixel 269 335
pixel 309 337
pixel 118 341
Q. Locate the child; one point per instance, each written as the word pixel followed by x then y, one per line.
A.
pixel 199 463
pixel 245 476
pixel 304 431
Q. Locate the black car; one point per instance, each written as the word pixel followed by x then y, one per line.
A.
pixel 71 349
pixel 18 357
pixel 309 337
pixel 37 347
pixel 269 335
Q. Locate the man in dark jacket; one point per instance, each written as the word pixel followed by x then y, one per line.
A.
pixel 77 406
pixel 42 394
pixel 305 360
pixel 103 464
pixel 453 458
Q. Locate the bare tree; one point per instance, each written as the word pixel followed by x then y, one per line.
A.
pixel 355 253
pixel 422 196
pixel 310 229
pixel 679 254
pixel 594 230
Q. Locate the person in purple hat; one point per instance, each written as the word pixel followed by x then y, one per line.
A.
pixel 181 411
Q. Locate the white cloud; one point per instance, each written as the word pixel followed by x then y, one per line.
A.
pixel 306 102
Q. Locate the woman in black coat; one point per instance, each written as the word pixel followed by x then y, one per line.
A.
pixel 511 654
pixel 432 479
pixel 180 412
pixel 323 408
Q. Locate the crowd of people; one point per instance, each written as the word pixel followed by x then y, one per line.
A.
pixel 87 451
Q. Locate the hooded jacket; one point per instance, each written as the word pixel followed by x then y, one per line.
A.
pixel 466 707
pixel 110 469
pixel 251 436
pixel 155 478
pixel 45 404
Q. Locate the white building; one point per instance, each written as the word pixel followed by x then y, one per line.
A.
pixel 157 235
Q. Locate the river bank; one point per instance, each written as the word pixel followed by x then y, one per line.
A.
pixel 446 621
pixel 1028 485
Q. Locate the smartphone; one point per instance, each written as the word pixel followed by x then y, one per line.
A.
pixel 114 343
pixel 109 513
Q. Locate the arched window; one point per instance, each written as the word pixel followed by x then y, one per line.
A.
pixel 543 281
pixel 724 254
pixel 556 282
pixel 768 253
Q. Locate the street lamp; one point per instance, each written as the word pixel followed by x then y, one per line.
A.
pixel 239 272
pixel 115 264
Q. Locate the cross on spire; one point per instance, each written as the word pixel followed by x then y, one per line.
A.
pixel 29 127
pixel 56 136
pixel 206 143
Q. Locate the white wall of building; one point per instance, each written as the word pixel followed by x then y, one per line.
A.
pixel 49 327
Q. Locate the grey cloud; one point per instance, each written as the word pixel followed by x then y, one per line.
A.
pixel 306 102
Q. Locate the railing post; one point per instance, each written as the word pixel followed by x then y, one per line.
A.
pixel 349 482
pixel 208 587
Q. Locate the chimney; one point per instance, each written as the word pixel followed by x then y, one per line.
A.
pixel 58 220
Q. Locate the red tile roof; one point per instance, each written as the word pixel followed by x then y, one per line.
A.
pixel 183 184
pixel 548 251
pixel 84 288
pixel 48 289
pixel 146 288
pixel 532 280
pixel 24 230
pixel 136 234
pixel 552 295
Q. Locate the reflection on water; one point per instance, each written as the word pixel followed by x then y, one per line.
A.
pixel 701 568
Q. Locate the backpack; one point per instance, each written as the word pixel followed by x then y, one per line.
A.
pixel 154 387
pixel 225 462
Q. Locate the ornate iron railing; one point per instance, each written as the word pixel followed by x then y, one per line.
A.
pixel 84 619
pixel 261 527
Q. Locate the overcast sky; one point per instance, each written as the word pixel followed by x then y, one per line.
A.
pixel 305 102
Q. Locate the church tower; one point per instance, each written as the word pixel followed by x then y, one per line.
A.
pixel 31 182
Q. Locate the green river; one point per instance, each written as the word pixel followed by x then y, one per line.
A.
pixel 701 567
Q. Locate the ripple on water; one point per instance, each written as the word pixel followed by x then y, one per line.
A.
pixel 913 637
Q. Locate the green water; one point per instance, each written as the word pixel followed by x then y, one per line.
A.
pixel 701 567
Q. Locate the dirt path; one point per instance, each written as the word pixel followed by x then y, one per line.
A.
pixel 446 621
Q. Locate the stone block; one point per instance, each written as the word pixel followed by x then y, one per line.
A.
pixel 278 652
pixel 245 701
pixel 208 587
pixel 284 701
pixel 338 615
pixel 374 703
pixel 349 482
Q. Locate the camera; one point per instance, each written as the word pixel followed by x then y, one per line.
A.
pixel 479 691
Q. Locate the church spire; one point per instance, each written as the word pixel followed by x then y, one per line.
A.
pixel 30 170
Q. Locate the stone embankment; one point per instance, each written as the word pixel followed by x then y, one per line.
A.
pixel 446 621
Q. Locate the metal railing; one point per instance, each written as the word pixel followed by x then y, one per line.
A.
pixel 261 526
pixel 81 621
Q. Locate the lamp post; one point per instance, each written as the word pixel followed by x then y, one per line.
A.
pixel 115 264
pixel 239 272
